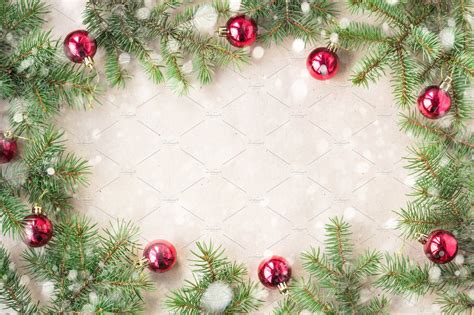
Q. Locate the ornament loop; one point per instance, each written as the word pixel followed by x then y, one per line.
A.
pixel 8 134
pixel 283 288
pixel 446 84
pixel 332 47
pixel 37 209
pixel 89 62
pixel 422 238
pixel 222 31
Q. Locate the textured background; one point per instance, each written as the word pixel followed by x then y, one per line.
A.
pixel 258 161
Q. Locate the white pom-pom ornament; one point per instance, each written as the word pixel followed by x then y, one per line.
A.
pixel 217 297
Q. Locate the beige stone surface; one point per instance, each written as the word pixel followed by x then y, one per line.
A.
pixel 258 161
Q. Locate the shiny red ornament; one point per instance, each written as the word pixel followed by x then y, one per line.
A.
pixel 434 102
pixel 38 230
pixel 8 148
pixel 274 272
pixel 440 246
pixel 80 47
pixel 322 63
pixel 240 31
pixel 161 255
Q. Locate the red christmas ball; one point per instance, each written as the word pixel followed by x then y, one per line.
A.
pixel 241 31
pixel 161 255
pixel 441 246
pixel 434 102
pixel 38 230
pixel 8 148
pixel 322 63
pixel 274 271
pixel 79 46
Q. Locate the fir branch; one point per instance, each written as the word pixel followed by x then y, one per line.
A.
pixel 336 279
pixel 455 304
pixel 401 276
pixel 210 266
pixel 13 293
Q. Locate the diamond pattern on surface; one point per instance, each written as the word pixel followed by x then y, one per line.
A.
pixel 342 169
pixel 213 199
pixel 299 198
pixel 170 171
pixel 240 226
pixel 218 143
pixel 298 142
pixel 138 198
pixel 256 169
pixel 350 111
pixel 128 142
pixel 172 117
pixel 255 115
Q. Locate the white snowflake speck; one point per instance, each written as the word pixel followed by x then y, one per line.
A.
pixel 258 52
pixel 334 38
pixel 217 297
pixel 447 37
pixel 143 13
pixel 392 2
pixel 72 275
pixel 305 7
pixel 50 171
pixel 298 45
pixel 18 117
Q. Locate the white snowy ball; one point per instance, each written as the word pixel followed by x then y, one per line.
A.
pixel 258 52
pixel 50 171
pixel 217 297
pixel 447 37
pixel 18 117
pixel 392 2
pixel 298 45
pixel 305 7
pixel 72 275
pixel 205 18
pixel 143 13
pixel 47 289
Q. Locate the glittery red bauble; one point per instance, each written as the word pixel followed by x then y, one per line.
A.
pixel 79 45
pixel 241 31
pixel 161 255
pixel 8 149
pixel 274 271
pixel 441 246
pixel 434 102
pixel 38 230
pixel 322 63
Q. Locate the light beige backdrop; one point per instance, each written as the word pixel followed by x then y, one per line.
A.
pixel 258 161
